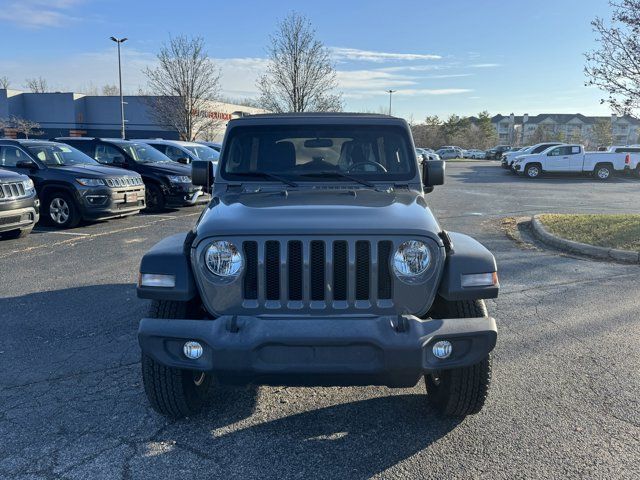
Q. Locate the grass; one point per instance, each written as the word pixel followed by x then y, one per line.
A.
pixel 610 231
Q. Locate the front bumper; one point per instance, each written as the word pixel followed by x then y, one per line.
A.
pixel 19 218
pixel 102 203
pixel 389 350
pixel 186 195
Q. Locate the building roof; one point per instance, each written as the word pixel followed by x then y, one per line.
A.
pixel 561 118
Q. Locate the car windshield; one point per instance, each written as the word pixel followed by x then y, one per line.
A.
pixel 60 155
pixel 303 152
pixel 143 153
pixel 203 153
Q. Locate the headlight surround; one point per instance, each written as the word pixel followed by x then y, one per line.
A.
pixel 90 182
pixel 224 259
pixel 411 259
pixel 29 187
pixel 179 178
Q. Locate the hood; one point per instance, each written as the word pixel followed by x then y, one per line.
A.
pixel 527 155
pixel 9 176
pixel 95 171
pixel 319 212
pixel 169 168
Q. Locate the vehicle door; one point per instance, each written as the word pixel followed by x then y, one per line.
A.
pixel 112 156
pixel 10 156
pixel 576 158
pixel 174 153
pixel 558 159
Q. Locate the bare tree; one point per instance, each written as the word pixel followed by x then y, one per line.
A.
pixel 615 66
pixel 110 90
pixel 37 85
pixel 300 76
pixel 24 126
pixel 4 82
pixel 601 133
pixel 185 83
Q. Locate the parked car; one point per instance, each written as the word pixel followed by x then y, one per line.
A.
pixel 573 159
pixel 459 150
pixel 427 154
pixel 286 280
pixel 635 149
pixel 19 204
pixel 496 152
pixel 509 157
pixel 475 154
pixel 167 183
pixel 71 186
pixel 183 152
pixel 216 146
pixel 448 153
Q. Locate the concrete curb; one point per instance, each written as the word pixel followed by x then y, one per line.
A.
pixel 624 256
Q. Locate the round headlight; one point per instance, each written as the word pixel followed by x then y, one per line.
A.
pixel 411 259
pixel 223 259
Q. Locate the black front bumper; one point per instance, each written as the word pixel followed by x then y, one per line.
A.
pixel 392 350
pixel 178 197
pixel 102 203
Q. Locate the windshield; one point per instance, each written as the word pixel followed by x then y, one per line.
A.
pixel 60 155
pixel 143 153
pixel 203 153
pixel 303 152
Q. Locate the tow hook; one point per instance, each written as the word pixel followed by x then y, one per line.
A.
pixel 400 325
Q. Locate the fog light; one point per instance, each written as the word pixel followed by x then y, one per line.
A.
pixel 192 350
pixel 157 280
pixel 479 280
pixel 442 349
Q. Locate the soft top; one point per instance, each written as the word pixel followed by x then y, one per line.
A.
pixel 317 118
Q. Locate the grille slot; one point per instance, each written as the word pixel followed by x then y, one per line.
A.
pixel 340 270
pixel 317 270
pixel 384 270
pixel 272 270
pixel 294 262
pixel 251 273
pixel 363 268
pixel 11 191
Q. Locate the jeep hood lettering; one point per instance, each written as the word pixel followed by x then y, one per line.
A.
pixel 319 212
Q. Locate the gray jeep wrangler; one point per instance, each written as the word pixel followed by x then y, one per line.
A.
pixel 317 262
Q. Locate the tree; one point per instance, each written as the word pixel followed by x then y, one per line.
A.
pixel 4 82
pixel 110 90
pixel 615 66
pixel 22 125
pixel 489 134
pixel 185 83
pixel 601 133
pixel 300 76
pixel 37 85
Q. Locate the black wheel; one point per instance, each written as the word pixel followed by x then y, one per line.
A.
pixel 533 170
pixel 13 234
pixel 174 392
pixel 603 172
pixel 154 198
pixel 60 210
pixel 460 391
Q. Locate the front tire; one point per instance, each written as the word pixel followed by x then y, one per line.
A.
pixel 533 170
pixel 174 392
pixel 60 210
pixel 154 198
pixel 460 391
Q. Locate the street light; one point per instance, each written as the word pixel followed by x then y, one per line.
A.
pixel 390 92
pixel 119 41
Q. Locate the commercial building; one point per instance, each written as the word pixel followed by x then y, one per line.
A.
pixel 76 114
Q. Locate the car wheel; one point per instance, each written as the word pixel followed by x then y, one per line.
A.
pixel 61 210
pixel 603 172
pixel 460 391
pixel 533 171
pixel 174 392
pixel 13 234
pixel 154 198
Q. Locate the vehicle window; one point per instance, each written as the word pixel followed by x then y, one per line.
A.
pixel 60 155
pixel 160 147
pixel 376 153
pixel 204 153
pixel 575 150
pixel 174 153
pixel 106 153
pixel 84 146
pixel 10 156
pixel 143 153
pixel 555 152
pixel 627 150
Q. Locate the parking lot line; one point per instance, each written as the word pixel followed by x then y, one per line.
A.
pixel 67 233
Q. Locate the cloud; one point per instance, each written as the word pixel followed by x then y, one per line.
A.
pixel 354 54
pixel 39 13
pixel 432 91
pixel 485 65
pixel 371 79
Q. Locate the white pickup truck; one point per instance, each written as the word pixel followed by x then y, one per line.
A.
pixel 573 159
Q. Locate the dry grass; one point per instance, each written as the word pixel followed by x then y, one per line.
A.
pixel 610 231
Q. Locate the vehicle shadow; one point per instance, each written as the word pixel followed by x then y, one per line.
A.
pixel 497 174
pixel 353 440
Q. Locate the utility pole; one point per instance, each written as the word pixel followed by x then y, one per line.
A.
pixel 119 41
pixel 390 92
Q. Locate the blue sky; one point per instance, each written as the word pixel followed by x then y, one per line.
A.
pixel 457 56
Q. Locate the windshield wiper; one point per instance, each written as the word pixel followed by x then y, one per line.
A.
pixel 268 175
pixel 331 173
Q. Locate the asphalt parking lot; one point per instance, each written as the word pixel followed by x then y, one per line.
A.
pixel 564 400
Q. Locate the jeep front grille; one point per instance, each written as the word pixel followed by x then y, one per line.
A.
pixel 116 182
pixel 298 272
pixel 12 191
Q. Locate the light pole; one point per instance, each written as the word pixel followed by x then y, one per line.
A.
pixel 119 41
pixel 390 92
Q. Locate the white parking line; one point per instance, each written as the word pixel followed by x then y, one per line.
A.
pixel 67 233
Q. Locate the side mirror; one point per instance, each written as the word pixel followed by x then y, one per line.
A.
pixel 202 173
pixel 183 160
pixel 30 164
pixel 433 174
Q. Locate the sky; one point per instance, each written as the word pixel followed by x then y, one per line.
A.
pixel 453 57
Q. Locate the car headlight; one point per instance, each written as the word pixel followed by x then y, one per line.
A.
pixel 90 182
pixel 179 178
pixel 412 259
pixel 29 188
pixel 223 259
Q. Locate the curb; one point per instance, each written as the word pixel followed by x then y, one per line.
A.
pixel 624 256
